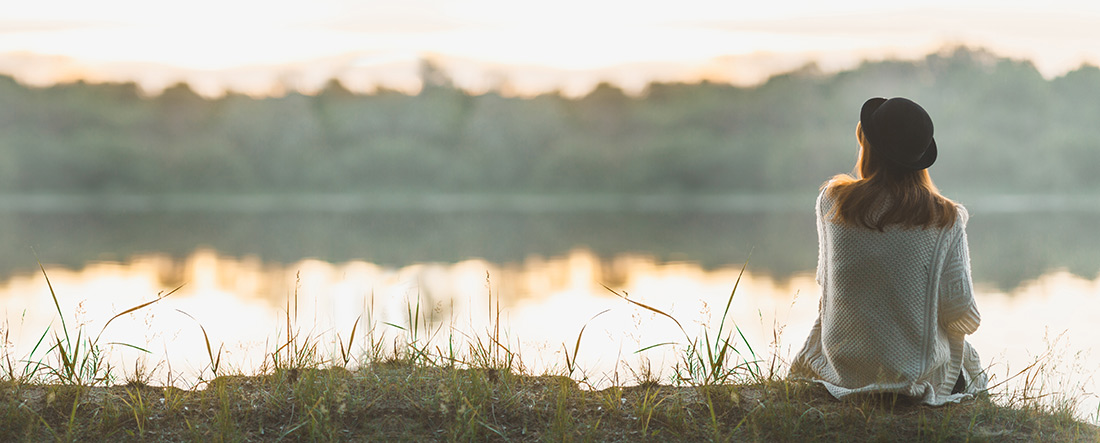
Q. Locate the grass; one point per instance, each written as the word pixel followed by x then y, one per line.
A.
pixel 395 385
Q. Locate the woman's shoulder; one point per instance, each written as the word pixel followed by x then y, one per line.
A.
pixel 825 198
pixel 961 215
pixel 828 189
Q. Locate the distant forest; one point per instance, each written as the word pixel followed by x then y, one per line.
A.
pixel 1001 127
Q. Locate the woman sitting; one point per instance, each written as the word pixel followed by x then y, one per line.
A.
pixel 893 264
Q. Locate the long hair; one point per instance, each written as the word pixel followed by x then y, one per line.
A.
pixel 914 201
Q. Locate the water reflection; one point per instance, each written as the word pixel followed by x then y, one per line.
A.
pixel 543 304
pixel 1007 248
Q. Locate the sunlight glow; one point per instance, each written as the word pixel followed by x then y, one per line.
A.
pixel 543 303
pixel 251 45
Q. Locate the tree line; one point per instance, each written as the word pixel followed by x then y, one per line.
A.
pixel 1000 126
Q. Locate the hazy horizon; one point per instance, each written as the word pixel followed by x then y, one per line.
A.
pixel 263 49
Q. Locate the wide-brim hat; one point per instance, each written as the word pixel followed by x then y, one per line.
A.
pixel 900 130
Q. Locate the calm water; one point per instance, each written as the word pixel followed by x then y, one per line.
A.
pixel 1036 276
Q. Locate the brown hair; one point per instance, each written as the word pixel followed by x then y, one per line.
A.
pixel 914 202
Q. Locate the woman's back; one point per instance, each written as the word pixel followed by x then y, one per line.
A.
pixel 894 269
pixel 878 293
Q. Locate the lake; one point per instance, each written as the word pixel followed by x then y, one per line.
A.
pixel 542 268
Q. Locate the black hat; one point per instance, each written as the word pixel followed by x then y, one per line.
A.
pixel 901 130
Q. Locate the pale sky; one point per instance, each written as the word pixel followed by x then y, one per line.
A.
pixel 259 46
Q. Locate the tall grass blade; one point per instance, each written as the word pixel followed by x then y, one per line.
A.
pixel 65 363
pixel 53 294
pixel 214 362
pixel 755 361
pixel 346 355
pixel 572 363
pixel 37 364
pixel 649 308
pixel 396 326
pixel 135 308
pixel 654 346
pixel 130 346
pixel 729 301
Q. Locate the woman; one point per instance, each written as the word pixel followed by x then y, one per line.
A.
pixel 897 300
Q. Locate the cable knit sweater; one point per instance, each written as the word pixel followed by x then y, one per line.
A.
pixel 894 312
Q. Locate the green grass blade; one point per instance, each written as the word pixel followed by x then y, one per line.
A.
pixel 654 346
pixel 751 352
pixel 37 364
pixel 729 301
pixel 130 346
pixel 395 325
pixel 53 294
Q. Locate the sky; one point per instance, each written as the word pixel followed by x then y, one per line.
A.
pixel 523 47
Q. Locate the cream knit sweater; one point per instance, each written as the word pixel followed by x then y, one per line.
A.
pixel 894 311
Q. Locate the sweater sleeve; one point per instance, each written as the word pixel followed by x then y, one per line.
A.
pixel 819 213
pixel 957 310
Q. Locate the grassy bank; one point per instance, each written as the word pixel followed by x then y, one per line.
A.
pixel 396 401
pixel 393 382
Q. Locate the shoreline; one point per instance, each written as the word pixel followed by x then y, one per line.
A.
pixel 236 202
pixel 402 401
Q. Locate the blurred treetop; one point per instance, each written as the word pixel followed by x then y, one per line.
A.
pixel 1001 127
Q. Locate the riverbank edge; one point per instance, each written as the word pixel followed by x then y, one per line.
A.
pixel 398 401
